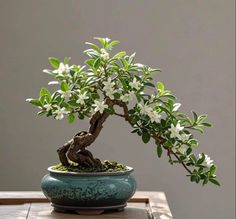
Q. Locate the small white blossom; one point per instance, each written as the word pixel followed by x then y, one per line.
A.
pixel 109 88
pixel 175 130
pixel 82 98
pixel 53 82
pixel 110 93
pixel 63 69
pixel 185 137
pixel 135 84
pixel 154 116
pixel 29 99
pixel 176 107
pixel 60 112
pixel 207 162
pixel 47 71
pixel 128 97
pixel 152 98
pixel 183 148
pixel 139 65
pixel 108 84
pixel 144 109
pixel 99 106
pixel 104 54
pixel 107 39
pixel 65 94
pixel 48 107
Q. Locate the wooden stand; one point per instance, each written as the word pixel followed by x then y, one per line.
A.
pixel 142 205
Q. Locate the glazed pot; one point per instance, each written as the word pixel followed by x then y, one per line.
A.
pixel 88 191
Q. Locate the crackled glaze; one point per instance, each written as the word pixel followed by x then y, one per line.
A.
pixel 88 190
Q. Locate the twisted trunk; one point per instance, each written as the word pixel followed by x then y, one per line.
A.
pixel 74 149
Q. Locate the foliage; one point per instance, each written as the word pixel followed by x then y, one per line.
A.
pixel 84 90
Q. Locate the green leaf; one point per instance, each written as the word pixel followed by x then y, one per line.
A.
pixel 54 62
pixel 96 64
pixel 193 178
pixel 109 110
pixel 201 160
pixel 73 103
pixel 193 142
pixel 119 55
pixel 149 84
pixel 159 150
pixel 40 113
pixel 71 118
pixel 95 47
pixel 198 129
pixel 146 137
pixel 35 102
pixel 90 62
pixel 101 40
pixel 212 170
pixel 64 86
pixel 116 96
pixel 195 116
pixel 160 86
pixel 67 60
pixel 214 181
pixel 44 92
pixel 206 124
pixel 113 43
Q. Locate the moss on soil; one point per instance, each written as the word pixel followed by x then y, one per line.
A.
pixel 107 166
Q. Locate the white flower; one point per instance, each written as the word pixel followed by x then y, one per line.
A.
pixel 176 107
pixel 48 107
pixel 185 137
pixel 152 98
pixel 144 109
pixel 207 162
pixel 53 82
pixel 82 98
pixel 147 110
pixel 99 106
pixel 108 84
pixel 139 65
pixel 29 99
pixel 110 93
pixel 60 113
pixel 175 130
pixel 104 54
pixel 154 116
pixel 127 97
pixel 183 148
pixel 135 84
pixel 65 94
pixel 108 88
pixel 63 69
pixel 107 39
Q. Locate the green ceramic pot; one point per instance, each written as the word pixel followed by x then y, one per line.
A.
pixel 83 191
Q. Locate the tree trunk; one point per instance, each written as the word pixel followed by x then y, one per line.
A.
pixel 74 149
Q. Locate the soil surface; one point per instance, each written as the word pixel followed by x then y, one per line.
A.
pixel 107 166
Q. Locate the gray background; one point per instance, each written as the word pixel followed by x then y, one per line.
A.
pixel 192 41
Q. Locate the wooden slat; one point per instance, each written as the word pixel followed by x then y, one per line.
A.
pixel 14 211
pixel 9 197
pixel 158 206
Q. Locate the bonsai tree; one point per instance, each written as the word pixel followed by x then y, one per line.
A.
pixel 107 82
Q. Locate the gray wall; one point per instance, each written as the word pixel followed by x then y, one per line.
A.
pixel 192 41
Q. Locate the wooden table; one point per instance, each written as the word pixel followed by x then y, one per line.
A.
pixel 34 205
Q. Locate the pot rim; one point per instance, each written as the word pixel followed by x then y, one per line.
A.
pixel 120 173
